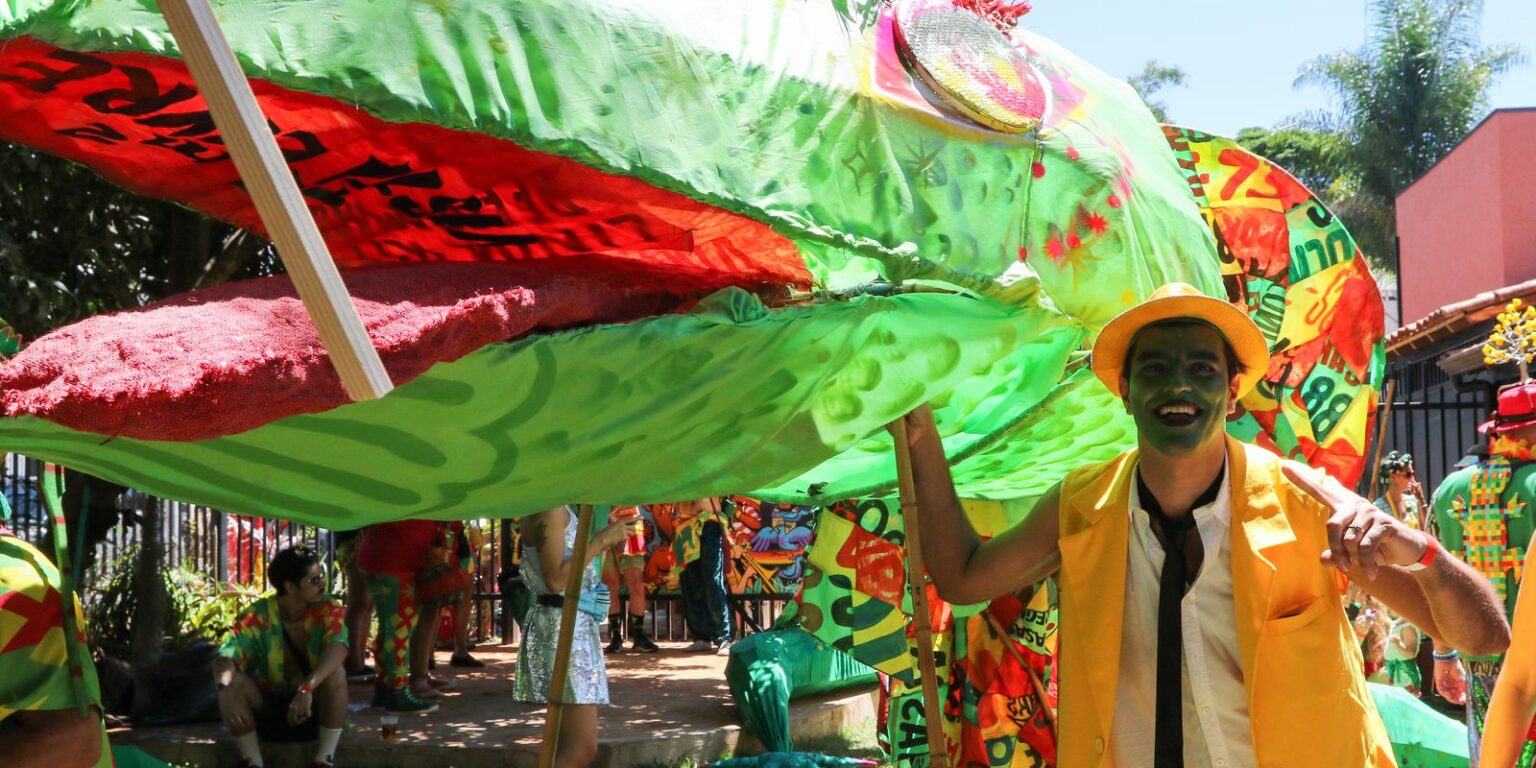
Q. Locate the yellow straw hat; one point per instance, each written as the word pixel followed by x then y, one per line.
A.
pixel 1181 301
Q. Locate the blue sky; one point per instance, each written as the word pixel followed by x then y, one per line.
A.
pixel 1241 56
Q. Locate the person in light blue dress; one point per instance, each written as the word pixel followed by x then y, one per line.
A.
pixel 548 539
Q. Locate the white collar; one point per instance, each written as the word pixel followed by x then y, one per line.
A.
pixel 1219 510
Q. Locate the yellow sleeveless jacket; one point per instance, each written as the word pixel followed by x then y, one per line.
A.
pixel 1301 662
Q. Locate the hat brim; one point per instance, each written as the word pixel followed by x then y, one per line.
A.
pixel 1247 340
pixel 1494 427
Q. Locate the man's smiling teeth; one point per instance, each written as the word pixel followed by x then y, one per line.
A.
pixel 1168 410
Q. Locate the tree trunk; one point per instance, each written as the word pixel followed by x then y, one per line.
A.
pixel 238 250
pixel 151 600
pixel 190 246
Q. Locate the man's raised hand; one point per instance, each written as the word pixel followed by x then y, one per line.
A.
pixel 1360 534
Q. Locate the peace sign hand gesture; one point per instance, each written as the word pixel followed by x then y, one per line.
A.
pixel 1360 534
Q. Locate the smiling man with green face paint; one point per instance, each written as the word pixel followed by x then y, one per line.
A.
pixel 1226 652
pixel 1178 387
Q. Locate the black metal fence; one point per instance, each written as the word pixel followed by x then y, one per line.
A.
pixel 228 548
pixel 233 549
pixel 1434 417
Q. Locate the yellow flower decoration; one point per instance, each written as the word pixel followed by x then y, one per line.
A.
pixel 1514 338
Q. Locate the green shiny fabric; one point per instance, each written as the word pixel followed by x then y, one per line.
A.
pixel 777 111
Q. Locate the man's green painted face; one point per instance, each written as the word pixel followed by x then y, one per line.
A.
pixel 1177 387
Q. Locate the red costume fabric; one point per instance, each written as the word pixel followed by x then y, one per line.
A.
pixel 399 547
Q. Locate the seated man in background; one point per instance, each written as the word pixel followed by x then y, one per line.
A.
pixel 279 672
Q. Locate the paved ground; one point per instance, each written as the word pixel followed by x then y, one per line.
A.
pixel 666 707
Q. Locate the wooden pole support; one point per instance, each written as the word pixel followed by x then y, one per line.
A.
pixel 933 710
pixel 558 675
pixel 1381 435
pixel 278 200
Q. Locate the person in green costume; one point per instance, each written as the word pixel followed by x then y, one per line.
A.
pixel 1402 651
pixel 1484 513
pixel 40 722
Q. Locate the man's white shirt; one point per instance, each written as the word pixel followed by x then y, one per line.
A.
pixel 1217 732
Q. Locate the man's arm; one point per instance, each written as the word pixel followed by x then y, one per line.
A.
pixel 1448 599
pixel 965 569
pixel 234 710
pixel 52 738
pixel 331 659
pixel 1450 675
pixel 223 671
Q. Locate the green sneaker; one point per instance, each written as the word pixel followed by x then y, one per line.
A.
pixel 403 702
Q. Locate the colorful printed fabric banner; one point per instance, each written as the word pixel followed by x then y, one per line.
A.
pixel 993 662
pixel 1288 261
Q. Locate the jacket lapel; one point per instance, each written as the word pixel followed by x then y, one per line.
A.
pixel 1259 524
pixel 1093 569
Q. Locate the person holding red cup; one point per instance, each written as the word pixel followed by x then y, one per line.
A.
pixel 627 561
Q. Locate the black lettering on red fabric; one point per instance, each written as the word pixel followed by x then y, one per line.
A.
pixel 460 217
pixel 158 106
pixel 186 125
pixel 491 238
pixel 101 133
pixel 528 199
pixel 298 146
pixel 374 174
pixel 195 151
pixel 142 96
pixel 48 79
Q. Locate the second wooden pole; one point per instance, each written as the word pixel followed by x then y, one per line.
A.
pixel 933 710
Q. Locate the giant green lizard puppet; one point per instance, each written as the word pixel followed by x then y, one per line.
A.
pixel 622 251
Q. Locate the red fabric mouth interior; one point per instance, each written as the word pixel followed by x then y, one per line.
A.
pixel 460 239
pixel 240 355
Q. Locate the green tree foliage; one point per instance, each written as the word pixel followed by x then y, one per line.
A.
pixel 1404 100
pixel 73 245
pixel 1153 79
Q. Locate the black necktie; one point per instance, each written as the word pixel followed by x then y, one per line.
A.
pixel 1168 747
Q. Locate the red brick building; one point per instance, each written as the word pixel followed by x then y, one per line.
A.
pixel 1467 245
pixel 1469 225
